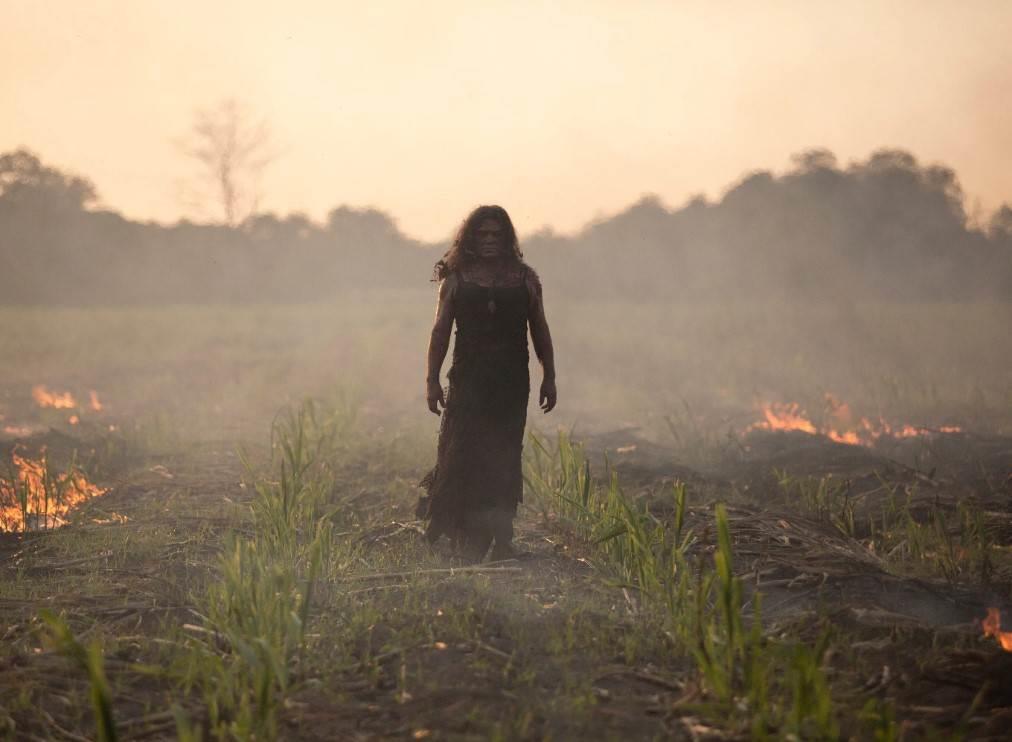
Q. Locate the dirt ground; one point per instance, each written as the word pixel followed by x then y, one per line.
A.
pixel 409 643
pixel 887 557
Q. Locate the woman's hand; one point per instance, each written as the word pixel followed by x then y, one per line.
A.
pixel 434 396
pixel 548 395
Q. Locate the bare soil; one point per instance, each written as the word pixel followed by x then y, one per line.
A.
pixel 412 644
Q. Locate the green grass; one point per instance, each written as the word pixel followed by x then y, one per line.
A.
pixel 912 533
pixel 306 593
pixel 249 653
pixel 90 660
pixel 768 687
pixel 824 498
pixel 310 596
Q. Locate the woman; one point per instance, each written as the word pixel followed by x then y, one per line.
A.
pixel 493 296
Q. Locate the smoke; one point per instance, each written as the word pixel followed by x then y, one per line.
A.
pixel 866 281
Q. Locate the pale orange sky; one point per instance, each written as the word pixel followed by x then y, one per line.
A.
pixel 560 111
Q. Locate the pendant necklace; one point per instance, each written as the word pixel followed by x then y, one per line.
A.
pixel 491 297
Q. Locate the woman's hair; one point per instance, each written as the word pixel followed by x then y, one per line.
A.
pixel 463 250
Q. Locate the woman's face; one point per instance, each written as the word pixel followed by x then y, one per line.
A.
pixel 490 240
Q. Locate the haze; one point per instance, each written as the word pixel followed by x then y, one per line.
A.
pixel 562 112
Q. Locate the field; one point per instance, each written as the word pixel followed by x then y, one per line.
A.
pixel 743 521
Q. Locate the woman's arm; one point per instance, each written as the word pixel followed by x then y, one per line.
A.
pixel 439 342
pixel 542 338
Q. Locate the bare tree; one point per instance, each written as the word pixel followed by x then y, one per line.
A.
pixel 233 149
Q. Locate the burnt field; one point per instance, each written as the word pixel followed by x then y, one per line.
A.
pixel 742 521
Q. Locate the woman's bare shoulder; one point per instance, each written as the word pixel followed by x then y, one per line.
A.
pixel 448 285
pixel 533 280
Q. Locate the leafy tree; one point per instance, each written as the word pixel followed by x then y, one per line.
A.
pixel 1001 223
pixel 25 181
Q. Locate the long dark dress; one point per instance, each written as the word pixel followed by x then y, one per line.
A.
pixel 477 482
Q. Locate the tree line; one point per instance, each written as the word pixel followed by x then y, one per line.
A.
pixel 886 228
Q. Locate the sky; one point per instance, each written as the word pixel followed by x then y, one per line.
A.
pixel 562 112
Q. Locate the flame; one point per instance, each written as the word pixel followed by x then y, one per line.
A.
pixel 785 417
pixel 843 426
pixel 37 498
pixel 93 402
pixel 57 400
pixel 850 437
pixel 992 627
